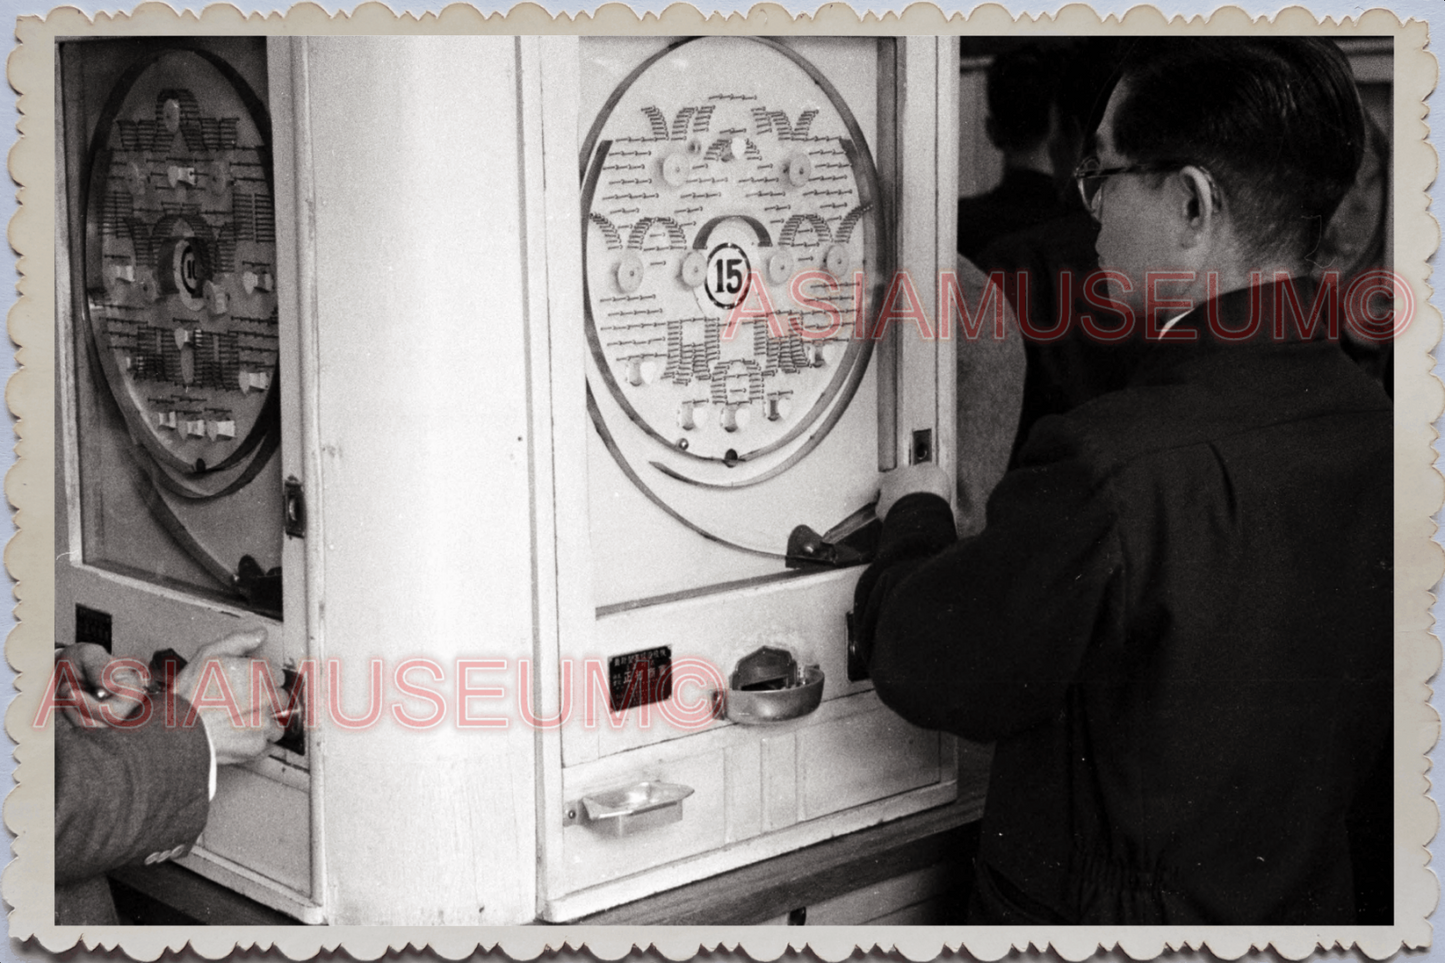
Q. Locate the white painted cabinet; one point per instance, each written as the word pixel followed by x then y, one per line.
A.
pixel 523 380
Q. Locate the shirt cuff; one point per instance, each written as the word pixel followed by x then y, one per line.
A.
pixel 918 524
pixel 211 751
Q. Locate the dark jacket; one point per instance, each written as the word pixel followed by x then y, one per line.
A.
pixel 1177 624
pixel 123 796
pixel 1067 365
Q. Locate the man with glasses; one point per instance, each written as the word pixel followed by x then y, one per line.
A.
pixel 1177 621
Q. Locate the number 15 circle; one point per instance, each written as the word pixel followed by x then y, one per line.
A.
pixel 726 278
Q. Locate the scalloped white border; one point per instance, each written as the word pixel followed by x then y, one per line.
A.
pixel 29 485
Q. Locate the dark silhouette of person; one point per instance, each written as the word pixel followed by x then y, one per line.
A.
pixel 1021 86
pixel 1066 365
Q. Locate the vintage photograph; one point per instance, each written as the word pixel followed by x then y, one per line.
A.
pixel 922 479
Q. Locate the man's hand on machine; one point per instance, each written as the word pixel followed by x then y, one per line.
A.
pixel 907 479
pixel 232 658
pixel 107 695
pixel 111 691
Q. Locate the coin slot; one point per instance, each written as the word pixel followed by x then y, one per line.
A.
pixel 294 738
pixel 922 450
pixel 92 626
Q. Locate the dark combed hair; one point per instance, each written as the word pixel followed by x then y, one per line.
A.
pixel 1021 86
pixel 1277 122
pixel 1089 72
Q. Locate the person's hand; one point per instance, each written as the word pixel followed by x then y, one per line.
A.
pixel 110 690
pixel 232 658
pixel 907 479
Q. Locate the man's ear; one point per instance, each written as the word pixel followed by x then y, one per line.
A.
pixel 1200 201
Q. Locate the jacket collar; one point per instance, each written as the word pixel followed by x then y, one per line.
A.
pixel 1269 317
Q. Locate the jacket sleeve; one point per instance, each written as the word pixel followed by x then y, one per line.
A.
pixel 984 638
pixel 122 795
pixel 989 398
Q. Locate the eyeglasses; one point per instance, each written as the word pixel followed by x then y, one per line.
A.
pixel 1090 176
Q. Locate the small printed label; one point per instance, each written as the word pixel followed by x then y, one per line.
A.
pixel 639 678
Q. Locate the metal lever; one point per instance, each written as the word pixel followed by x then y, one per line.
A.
pixel 261 589
pixel 622 812
pixel 852 541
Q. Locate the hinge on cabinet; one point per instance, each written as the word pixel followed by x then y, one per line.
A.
pixel 293 506
pixel 857 658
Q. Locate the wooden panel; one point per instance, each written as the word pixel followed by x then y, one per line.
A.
pixel 862 758
pixel 918 248
pixel 296 270
pixel 145 617
pixel 898 895
pixel 759 893
pixel 425 479
pixel 263 825
pixel 591 858
pixel 298 454
pixel 744 791
pixel 549 83
pixel 749 837
pixel 762 894
pixel 165 894
pixel 780 781
pixel 946 446
pixel 942 910
pixel 659 733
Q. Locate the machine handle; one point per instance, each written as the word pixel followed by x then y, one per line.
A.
pixel 621 812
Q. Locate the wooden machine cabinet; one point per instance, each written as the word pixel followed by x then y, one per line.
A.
pixel 449 360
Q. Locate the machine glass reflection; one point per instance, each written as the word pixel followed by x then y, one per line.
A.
pixel 176 323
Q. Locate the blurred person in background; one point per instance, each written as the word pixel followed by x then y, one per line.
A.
pixel 1021 84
